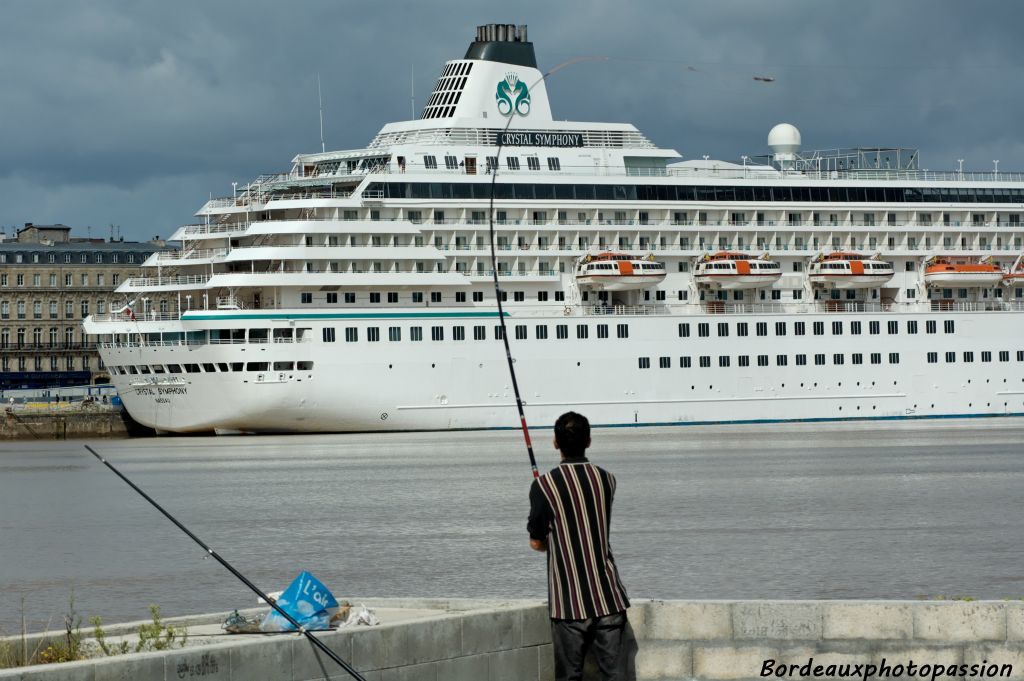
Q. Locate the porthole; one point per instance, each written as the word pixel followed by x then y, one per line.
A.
pixel 858 408
pixel 873 407
pixel 432 366
pixel 840 408
pixel 840 384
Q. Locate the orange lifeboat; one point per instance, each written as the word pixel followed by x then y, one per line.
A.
pixel 962 272
pixel 619 272
pixel 849 271
pixel 734 271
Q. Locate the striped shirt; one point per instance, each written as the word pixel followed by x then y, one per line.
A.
pixel 573 503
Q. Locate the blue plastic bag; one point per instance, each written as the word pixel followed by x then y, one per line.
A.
pixel 308 601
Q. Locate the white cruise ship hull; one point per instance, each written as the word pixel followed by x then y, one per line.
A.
pixel 451 384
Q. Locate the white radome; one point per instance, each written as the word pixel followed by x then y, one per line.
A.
pixel 784 138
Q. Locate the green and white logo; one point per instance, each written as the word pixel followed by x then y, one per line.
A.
pixel 513 96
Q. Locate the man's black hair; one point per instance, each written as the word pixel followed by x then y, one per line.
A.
pixel 572 433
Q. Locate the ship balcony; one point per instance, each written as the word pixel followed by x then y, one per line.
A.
pixel 164 283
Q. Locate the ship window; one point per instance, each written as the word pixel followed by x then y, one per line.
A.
pixel 873 328
pixel 430 162
pixel 968 356
pixel 837 358
pixel 416 333
pixel 948 326
pixel 684 363
pixel 284 366
pixel 762 328
pixel 541 331
pixel 191 368
pixel 762 360
pixel 665 362
pixel 478 297
pixel 645 362
pixel 780 328
pixel 328 334
pixel 602 330
pixel 451 162
pixel 894 327
pixel 373 334
pixel 837 328
pixel 1004 355
pixel 332 298
pixel 933 357
pixel 305 298
pixel 703 330
pixel 723 329
pixel 561 331
pixel 986 356
pixel 855 328
pixel 238 366
pixel 582 331
pixel 876 358
pixel 394 333
pixel 894 358
pixel 819 359
pixel 208 368
pixel 743 360
pixel 257 366
pixel 801 360
pixel 684 330
pixel 351 334
pixel 304 366
pixel 435 296
pixel 533 163
pixel 375 297
pixel 781 360
pixel 856 358
pixel 950 357
pixel 553 163
pixel 723 360
pixel 437 333
pixel 520 332
pixel 350 297
pixel 799 328
pixel 512 162
pixel 622 330
pixel 912 326
pixel 459 333
pixel 819 328
pixel 705 361
pixel 144 369
pixel 741 329
pixel 393 297
pixel 222 366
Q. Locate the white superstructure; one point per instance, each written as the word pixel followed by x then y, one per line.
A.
pixel 354 291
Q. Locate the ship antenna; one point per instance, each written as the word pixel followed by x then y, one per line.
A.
pixel 412 91
pixel 494 269
pixel 323 147
pixel 242 578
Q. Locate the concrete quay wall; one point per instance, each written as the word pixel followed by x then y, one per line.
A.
pixel 64 425
pixel 466 640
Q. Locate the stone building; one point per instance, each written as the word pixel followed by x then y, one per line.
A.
pixel 49 282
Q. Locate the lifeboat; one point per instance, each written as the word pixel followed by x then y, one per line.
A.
pixel 735 271
pixel 849 271
pixel 962 272
pixel 619 272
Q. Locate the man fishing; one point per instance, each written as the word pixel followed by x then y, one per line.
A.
pixel 570 515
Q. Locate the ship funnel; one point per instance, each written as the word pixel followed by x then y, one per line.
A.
pixel 504 43
pixel 784 141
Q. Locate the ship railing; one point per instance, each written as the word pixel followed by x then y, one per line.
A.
pixel 168 281
pixel 625 309
pixel 140 316
pixel 194 254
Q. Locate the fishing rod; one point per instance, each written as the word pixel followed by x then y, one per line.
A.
pixel 494 268
pixel 242 578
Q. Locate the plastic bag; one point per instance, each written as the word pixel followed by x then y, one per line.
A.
pixel 308 601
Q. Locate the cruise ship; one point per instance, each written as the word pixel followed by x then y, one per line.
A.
pixel 354 291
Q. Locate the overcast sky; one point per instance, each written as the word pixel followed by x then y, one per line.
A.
pixel 132 112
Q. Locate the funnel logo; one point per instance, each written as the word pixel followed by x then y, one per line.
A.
pixel 513 96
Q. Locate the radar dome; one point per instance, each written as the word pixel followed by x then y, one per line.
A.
pixel 784 139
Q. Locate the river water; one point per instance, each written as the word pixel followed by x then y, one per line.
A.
pixel 883 510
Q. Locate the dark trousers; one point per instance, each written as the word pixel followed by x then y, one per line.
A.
pixel 572 639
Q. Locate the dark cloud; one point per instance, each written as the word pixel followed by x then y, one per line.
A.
pixel 133 113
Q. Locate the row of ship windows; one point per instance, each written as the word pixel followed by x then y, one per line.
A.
pixel 819 359
pixel 632 192
pixel 817 328
pixel 532 162
pixel 208 367
pixel 725 361
pixel 331 297
pixel 458 333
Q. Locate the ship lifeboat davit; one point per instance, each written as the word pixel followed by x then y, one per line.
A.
pixel 619 272
pixel 962 272
pixel 735 271
pixel 849 271
pixel 1015 277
